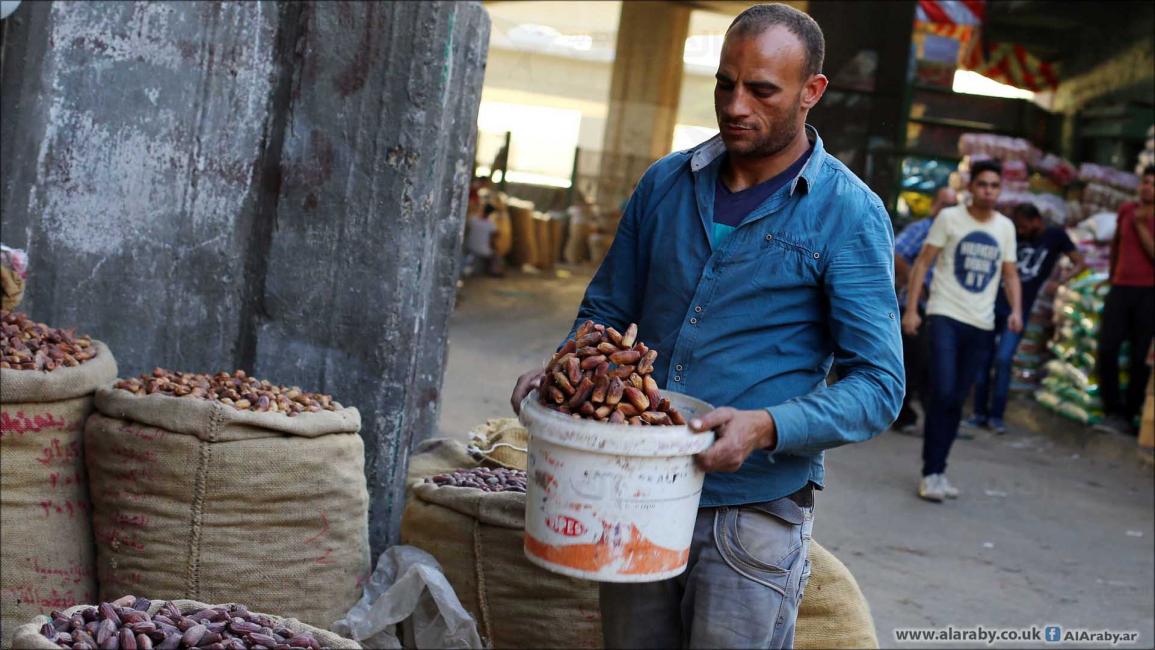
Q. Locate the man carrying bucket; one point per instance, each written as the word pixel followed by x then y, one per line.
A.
pixel 753 263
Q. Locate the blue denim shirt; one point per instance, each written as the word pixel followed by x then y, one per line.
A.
pixel 805 282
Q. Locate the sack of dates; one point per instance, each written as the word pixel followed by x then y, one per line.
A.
pixel 472 519
pixel 221 487
pixel 141 624
pixel 47 377
pixel 833 613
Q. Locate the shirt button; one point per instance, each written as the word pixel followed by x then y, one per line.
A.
pixel 891 315
pixel 769 237
pixel 816 256
pixel 698 309
pixel 678 367
pixel 693 321
pixel 677 378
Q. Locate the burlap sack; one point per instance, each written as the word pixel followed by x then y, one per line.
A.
pixel 11 288
pixel 834 613
pixel 477 538
pixel 524 250
pixel 46 555
pixel 28 635
pixel 502 442
pixel 195 499
pixel 577 246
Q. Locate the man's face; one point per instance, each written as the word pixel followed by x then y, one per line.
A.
pixel 1027 227
pixel 985 190
pixel 762 92
pixel 944 198
pixel 1147 189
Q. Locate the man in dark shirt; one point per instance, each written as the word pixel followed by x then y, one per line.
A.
pixel 1039 248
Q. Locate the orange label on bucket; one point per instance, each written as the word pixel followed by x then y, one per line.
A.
pixel 640 555
pixel 567 526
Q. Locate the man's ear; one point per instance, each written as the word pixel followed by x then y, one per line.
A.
pixel 813 90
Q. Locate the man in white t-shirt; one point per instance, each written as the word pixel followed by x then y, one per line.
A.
pixel 972 247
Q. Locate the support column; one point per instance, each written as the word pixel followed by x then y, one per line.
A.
pixel 273 186
pixel 644 93
pixel 362 256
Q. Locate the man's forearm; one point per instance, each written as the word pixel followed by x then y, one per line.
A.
pixel 915 282
pixel 1014 290
pixel 901 271
pixel 1145 238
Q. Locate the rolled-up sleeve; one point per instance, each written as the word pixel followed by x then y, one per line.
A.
pixel 863 317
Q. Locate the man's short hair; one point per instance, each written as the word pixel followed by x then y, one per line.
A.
pixel 986 166
pixel 1149 170
pixel 1027 211
pixel 759 18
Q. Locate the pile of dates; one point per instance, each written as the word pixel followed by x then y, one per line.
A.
pixel 237 390
pixel 28 345
pixel 125 624
pixel 605 375
pixel 483 478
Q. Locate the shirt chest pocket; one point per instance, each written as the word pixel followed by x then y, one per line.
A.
pixel 783 263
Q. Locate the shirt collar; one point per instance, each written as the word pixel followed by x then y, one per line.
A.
pixel 712 149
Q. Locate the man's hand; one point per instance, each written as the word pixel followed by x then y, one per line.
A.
pixel 739 433
pixel 1015 322
pixel 911 321
pixel 525 384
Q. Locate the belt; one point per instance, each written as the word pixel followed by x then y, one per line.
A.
pixel 804 497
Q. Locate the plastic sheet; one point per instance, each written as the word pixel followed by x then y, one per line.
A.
pixel 408 585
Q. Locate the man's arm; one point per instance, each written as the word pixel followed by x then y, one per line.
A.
pixel 859 288
pixel 868 350
pixel 1014 290
pixel 910 318
pixel 868 354
pixel 1145 238
pixel 1080 265
pixel 901 271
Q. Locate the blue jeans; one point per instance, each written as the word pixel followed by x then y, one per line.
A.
pixel 747 571
pixel 1001 355
pixel 956 352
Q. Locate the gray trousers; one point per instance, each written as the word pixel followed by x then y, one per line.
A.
pixel 748 567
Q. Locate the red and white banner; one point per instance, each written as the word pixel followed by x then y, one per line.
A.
pixel 951 12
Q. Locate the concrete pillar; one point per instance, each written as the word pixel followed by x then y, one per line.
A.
pixel 278 187
pixel 362 263
pixel 644 93
pixel 133 137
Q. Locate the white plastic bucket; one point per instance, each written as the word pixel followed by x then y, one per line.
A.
pixel 611 502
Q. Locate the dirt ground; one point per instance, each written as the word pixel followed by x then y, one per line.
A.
pixel 1045 533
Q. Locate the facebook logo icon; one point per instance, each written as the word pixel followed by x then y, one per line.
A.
pixel 1052 633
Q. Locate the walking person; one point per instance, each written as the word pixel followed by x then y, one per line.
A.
pixel 1129 311
pixel 1039 248
pixel 972 247
pixel 907 245
pixel 753 263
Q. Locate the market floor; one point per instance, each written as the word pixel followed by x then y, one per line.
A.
pixel 1040 536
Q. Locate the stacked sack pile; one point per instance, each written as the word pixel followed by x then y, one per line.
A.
pixel 1147 156
pixel 1107 188
pixel 1071 387
pixel 1030 359
pixel 216 487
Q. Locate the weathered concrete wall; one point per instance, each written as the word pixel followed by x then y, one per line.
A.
pixel 376 164
pixel 278 187
pixel 141 126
